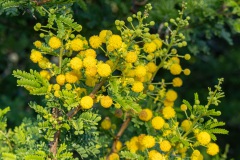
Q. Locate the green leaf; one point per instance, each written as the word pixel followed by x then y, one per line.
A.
pixel 188 105
pixel 219 131
pixel 9 156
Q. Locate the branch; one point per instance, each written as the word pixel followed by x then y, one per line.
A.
pixel 74 111
pixel 119 134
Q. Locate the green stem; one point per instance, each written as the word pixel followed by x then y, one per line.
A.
pixel 60 58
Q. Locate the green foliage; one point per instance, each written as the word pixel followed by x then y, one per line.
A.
pixel 132 156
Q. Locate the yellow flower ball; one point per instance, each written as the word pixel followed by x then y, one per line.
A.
pixel 151 87
pixel 137 87
pixel 175 69
pixel 113 156
pixel 86 102
pixel 44 63
pixel 56 87
pixel 203 138
pixel 177 82
pixel 106 101
pixel 89 61
pixel 103 34
pixel 151 67
pixel 196 155
pixel 140 71
pixel 57 94
pixel 91 81
pixel 37 44
pixel 77 44
pixel 68 86
pixel 212 149
pixel 60 79
pixel 90 52
pixel 132 145
pixel 36 56
pixel 171 95
pixel 158 122
pixel 145 115
pixel 91 71
pixel 165 145
pixel 72 77
pixel 131 57
pixel 187 56
pixel 183 107
pixel 149 47
pixel 45 74
pixel 158 42
pixel 114 42
pixel 106 124
pixel 95 41
pixel 104 70
pixel 54 43
pixel 155 155
pixel 76 63
pixel 110 63
pixel 168 103
pixel 168 112
pixel 186 125
pixel 175 60
pixel 186 72
pixel 148 141
pixel 118 146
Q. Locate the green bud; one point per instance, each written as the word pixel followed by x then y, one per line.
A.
pixel 122 23
pixel 165 24
pixel 152 23
pixel 184 43
pixel 172 20
pixel 117 22
pixel 180 45
pixel 146 30
pixel 149 57
pixel 138 31
pixel 197 102
pixel 60 118
pixel 72 36
pixel 51 10
pixel 201 120
pixel 134 16
pixel 192 116
pixel 139 13
pixel 129 19
pixel 41 35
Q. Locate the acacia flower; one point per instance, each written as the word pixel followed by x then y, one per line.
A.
pixel 86 102
pixel 72 76
pixel 106 124
pixel 54 42
pixel 77 44
pixel 151 67
pixel 90 52
pixel 148 141
pixel 149 47
pixel 104 70
pixel 114 42
pixel 95 41
pixel 106 101
pixel 212 149
pixel 145 114
pixel 175 69
pixel 186 125
pixel 165 145
pixel 76 63
pixel 103 34
pixel 137 86
pixel 113 156
pixel 155 155
pixel 60 79
pixel 36 56
pixel 140 71
pixel 196 155
pixel 131 57
pixel 158 122
pixel 168 112
pixel 203 138
pixel 177 82
pixel 171 95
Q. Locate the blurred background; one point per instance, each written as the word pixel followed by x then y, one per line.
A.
pixel 213 38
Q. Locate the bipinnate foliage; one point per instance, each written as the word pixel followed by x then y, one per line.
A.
pixel 102 100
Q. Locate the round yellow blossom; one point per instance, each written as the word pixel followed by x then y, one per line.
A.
pixel 36 56
pixel 171 95
pixel 95 42
pixel 165 145
pixel 57 94
pixel 151 67
pixel 132 145
pixel 149 47
pixel 106 124
pixel 77 44
pixel 158 122
pixel 168 112
pixel 137 87
pixel 158 42
pixel 91 81
pixel 183 107
pixel 203 138
pixel 145 114
pixel 104 70
pixel 175 69
pixel 187 56
pixel 196 155
pixel 90 52
pixel 110 63
pixel 76 63
pixel 103 34
pixel 54 42
pixel 212 149
pixel 106 101
pixel 56 87
pixel 44 63
pixel 37 44
pixel 177 82
pixel 140 71
pixel 168 103
pixel 151 87
pixel 155 155
pixel 72 77
pixel 91 71
pixel 60 79
pixel 131 57
pixel 86 102
pixel 118 146
pixel 45 74
pixel 141 145
pixel 148 141
pixel 114 42
pixel 186 72
pixel 68 86
pixel 89 61
pixel 175 60
pixel 113 156
pixel 186 125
